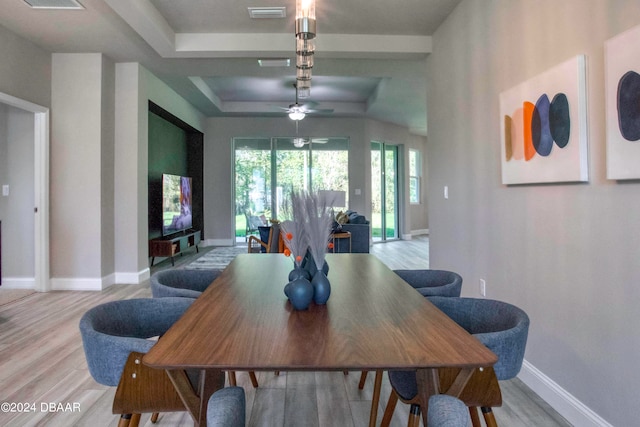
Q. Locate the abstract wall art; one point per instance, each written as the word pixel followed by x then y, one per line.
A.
pixel 544 127
pixel 622 86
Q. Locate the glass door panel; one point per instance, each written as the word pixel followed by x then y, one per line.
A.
pixel 384 191
pixel 292 169
pixel 330 168
pixel 391 193
pixel 252 185
pixel 376 191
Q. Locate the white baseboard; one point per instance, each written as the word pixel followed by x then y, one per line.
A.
pixel 420 232
pixel 132 278
pixel 86 283
pixel 18 283
pixel 219 242
pixel 573 410
pixel 76 284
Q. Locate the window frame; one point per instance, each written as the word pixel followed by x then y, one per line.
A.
pixel 415 176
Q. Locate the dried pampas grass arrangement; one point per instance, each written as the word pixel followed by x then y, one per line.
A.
pixel 293 229
pixel 318 226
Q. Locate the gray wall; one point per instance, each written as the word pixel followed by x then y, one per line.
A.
pixel 567 254
pixel 16 210
pixel 25 73
pixel 25 69
pixel 82 172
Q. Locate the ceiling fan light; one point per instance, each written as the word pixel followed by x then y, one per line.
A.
pixel 298 142
pixel 296 115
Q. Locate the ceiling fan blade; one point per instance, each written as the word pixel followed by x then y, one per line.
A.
pixel 326 110
pixel 319 140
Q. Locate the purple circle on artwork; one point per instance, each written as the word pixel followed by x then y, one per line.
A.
pixel 540 131
pixel 629 106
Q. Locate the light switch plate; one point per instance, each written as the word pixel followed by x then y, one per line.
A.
pixel 5 189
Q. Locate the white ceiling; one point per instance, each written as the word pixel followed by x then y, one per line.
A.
pixel 370 54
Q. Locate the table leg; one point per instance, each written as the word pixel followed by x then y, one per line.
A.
pixel 375 399
pixel 196 400
pixel 428 385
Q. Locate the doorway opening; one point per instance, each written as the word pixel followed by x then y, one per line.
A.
pixel 34 273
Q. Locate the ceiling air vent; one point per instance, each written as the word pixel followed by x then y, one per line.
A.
pixel 54 4
pixel 267 12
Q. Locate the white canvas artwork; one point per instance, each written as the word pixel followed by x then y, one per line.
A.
pixel 543 124
pixel 622 86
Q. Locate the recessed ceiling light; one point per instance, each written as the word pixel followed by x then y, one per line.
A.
pixel 54 4
pixel 274 62
pixel 267 12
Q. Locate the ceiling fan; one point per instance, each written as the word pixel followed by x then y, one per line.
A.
pixel 301 141
pixel 298 111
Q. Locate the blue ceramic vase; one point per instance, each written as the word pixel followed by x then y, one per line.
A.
pixel 321 287
pixel 298 272
pixel 309 264
pixel 300 293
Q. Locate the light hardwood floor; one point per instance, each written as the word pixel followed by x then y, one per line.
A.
pixel 42 362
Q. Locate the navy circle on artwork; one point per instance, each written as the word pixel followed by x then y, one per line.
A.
pixel 559 120
pixel 629 106
pixel 540 132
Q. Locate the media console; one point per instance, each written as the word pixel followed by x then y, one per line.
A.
pixel 172 245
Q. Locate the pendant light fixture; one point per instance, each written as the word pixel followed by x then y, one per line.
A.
pixel 305 44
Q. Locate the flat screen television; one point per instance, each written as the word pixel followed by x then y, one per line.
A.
pixel 176 204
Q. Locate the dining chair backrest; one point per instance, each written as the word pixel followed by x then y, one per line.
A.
pixel 181 282
pixel 227 408
pixel 271 245
pixel 111 331
pixel 500 326
pixel 447 411
pixel 433 282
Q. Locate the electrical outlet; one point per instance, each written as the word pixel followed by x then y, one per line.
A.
pixel 5 190
pixel 446 192
pixel 483 287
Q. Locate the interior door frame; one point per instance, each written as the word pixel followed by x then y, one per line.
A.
pixel 41 188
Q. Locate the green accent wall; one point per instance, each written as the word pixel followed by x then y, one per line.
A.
pixel 174 148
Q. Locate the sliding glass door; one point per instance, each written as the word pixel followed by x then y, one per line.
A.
pixel 268 169
pixel 384 191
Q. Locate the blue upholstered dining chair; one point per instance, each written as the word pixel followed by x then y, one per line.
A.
pixel 115 335
pixel 182 282
pixel 227 408
pixel 188 284
pixel 447 411
pixel 501 327
pixel 433 282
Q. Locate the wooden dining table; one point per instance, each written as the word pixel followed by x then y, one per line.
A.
pixel 373 320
